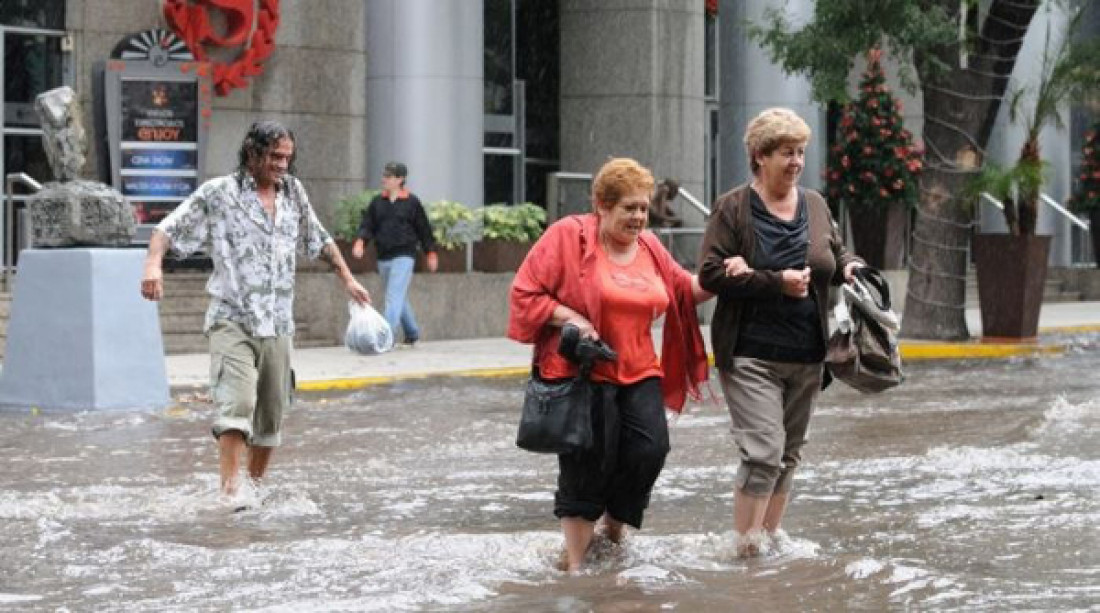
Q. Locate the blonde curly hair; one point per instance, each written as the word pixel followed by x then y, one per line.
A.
pixel 771 129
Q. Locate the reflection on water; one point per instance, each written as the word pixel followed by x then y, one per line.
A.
pixel 972 487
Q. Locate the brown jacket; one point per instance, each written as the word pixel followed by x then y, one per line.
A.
pixel 730 232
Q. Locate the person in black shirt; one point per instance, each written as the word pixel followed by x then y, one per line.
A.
pixel 397 224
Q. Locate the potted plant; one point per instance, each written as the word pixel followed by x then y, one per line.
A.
pixel 1012 267
pixel 1086 198
pixel 453 226
pixel 347 213
pixel 509 231
pixel 874 170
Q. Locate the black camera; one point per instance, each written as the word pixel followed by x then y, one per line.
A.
pixel 583 351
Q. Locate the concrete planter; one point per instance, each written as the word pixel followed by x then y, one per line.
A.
pixel 450 260
pixel 879 235
pixel 495 255
pixel 358 266
pixel 1012 271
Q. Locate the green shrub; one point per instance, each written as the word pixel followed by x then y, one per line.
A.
pixel 453 223
pixel 520 223
pixel 347 212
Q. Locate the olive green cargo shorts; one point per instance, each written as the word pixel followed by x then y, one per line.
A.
pixel 250 383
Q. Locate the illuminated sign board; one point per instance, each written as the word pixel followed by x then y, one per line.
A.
pixel 158 114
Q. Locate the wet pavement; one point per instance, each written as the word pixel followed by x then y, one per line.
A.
pixel 975 486
pixel 327 368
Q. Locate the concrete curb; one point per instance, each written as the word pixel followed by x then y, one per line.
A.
pixel 910 351
pixel 978 349
pixel 353 383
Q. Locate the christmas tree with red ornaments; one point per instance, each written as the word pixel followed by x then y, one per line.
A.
pixel 1087 195
pixel 873 162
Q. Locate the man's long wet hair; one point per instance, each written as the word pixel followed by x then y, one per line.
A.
pixel 261 138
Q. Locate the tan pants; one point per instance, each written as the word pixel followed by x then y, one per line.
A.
pixel 770 404
pixel 250 383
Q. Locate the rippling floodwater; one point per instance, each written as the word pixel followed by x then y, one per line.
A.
pixel 975 486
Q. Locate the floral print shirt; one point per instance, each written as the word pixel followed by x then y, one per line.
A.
pixel 253 254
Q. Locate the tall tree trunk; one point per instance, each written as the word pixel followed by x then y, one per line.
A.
pixel 960 108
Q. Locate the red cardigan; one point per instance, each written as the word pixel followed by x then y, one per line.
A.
pixel 561 269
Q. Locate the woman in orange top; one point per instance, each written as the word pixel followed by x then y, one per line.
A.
pixel 605 274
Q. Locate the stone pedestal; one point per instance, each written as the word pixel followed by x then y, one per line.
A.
pixel 80 336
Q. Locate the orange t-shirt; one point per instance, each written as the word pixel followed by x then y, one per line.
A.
pixel 632 296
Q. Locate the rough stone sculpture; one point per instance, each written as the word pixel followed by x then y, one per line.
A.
pixel 81 213
pixel 63 132
pixel 69 212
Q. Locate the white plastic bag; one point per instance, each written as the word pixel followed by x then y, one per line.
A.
pixel 368 333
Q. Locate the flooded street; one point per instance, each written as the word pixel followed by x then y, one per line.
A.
pixel 975 486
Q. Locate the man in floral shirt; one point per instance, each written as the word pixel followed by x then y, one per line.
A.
pixel 252 223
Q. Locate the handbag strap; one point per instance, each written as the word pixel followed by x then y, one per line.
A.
pixel 584 371
pixel 877 281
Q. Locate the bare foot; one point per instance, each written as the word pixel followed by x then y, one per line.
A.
pixel 596 547
pixel 751 544
pixel 614 531
pixel 230 487
pixel 562 563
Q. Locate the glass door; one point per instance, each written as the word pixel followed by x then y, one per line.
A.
pixel 32 61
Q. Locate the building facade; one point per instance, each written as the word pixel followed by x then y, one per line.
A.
pixel 485 100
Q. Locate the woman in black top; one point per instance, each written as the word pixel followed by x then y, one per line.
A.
pixel 770 324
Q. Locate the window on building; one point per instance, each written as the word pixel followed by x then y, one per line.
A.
pixel 538 65
pixel 499 56
pixel 46 14
pixel 32 65
pixel 710 55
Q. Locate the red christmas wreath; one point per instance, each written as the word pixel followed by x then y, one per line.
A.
pixel 190 20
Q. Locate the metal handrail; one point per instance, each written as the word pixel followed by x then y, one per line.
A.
pixel 1077 221
pixel 7 252
pixel 1051 202
pixel 997 203
pixel 699 230
pixel 699 206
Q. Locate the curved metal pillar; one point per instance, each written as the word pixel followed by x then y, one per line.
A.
pixel 425 95
pixel 750 82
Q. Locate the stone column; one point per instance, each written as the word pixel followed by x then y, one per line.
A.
pixel 632 85
pixel 750 82
pixel 425 95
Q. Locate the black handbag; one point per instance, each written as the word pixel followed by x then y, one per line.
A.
pixel 557 415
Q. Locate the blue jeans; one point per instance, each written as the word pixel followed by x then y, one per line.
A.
pixel 396 275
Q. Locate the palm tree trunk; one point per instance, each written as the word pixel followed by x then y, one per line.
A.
pixel 960 108
pixel 1028 198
